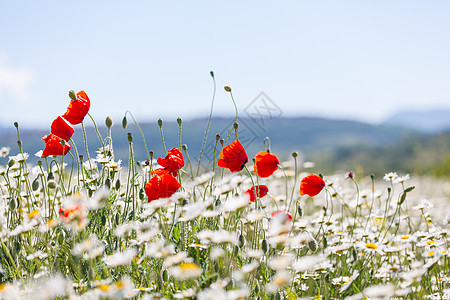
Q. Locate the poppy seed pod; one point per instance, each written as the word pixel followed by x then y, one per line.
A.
pixel 150 153
pixel 184 147
pixel 109 122
pixel 160 122
pixel 227 88
pixel 235 125
pixel 16 124
pixel 72 95
pixel 130 137
pixel 179 121
pixel 222 141
pixel 294 154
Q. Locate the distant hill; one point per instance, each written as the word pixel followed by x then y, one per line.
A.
pixel 432 121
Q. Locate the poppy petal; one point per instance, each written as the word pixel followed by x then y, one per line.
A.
pixel 261 191
pixel 53 146
pixel 311 185
pixel 265 164
pixel 62 129
pixel 78 109
pixel 173 161
pixel 161 185
pixel 233 157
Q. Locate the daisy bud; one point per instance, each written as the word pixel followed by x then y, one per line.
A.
pixel 217 136
pixel 160 122
pixel 211 73
pixel 109 122
pixel 235 125
pixel 11 162
pixel 124 122
pixel 312 244
pixel 16 124
pixel 222 141
pixel 72 95
pixel 294 154
pixel 130 137
pixel 227 88
pixel 179 121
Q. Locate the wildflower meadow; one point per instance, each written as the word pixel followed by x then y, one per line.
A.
pixel 81 224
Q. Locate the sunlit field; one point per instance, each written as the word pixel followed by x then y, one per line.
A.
pixel 82 224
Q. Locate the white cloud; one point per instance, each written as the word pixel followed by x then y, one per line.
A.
pixel 14 82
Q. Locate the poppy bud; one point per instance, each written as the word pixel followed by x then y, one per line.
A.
pixel 130 137
pixel 108 183
pixel 50 176
pixel 72 95
pixel 159 122
pixel 12 204
pixel 19 143
pixel 52 184
pixel 124 122
pixel 39 163
pixel 16 124
pixel 235 125
pixel 11 162
pixel 264 246
pixel 117 184
pixel 63 142
pixel 81 157
pixel 299 210
pixel 35 184
pixel 211 73
pixel 294 154
pixel 312 244
pixel 184 147
pixel 109 122
pixel 222 141
pixel 150 153
pixel 227 88
pixel 217 136
pixel 241 241
pixel 179 121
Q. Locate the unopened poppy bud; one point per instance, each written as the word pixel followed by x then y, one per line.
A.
pixel 11 162
pixel 50 176
pixel 227 88
pixel 109 122
pixel 124 122
pixel 294 154
pixel 217 136
pixel 39 163
pixel 253 160
pixel 184 147
pixel 35 184
pixel 81 157
pixel 222 141
pixel 372 176
pixel 51 184
pixel 241 241
pixel 19 143
pixel 211 73
pixel 72 95
pixel 235 125
pixel 117 186
pixel 264 245
pixel 312 244
pixel 12 204
pixel 63 142
pixel 108 183
pixel 130 137
pixel 150 153
pixel 179 121
pixel 16 124
pixel 300 210
pixel 159 122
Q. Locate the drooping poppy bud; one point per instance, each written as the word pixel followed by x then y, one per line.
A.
pixel 311 185
pixel 60 128
pixel 161 185
pixel 173 161
pixel 78 109
pixel 265 164
pixel 53 146
pixel 261 191
pixel 233 157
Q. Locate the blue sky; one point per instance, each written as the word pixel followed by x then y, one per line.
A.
pixel 362 60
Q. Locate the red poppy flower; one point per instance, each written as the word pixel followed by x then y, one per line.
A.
pixel 53 146
pixel 78 109
pixel 311 185
pixel 173 161
pixel 62 129
pixel 265 164
pixel 65 213
pixel 283 215
pixel 261 191
pixel 233 157
pixel 161 185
